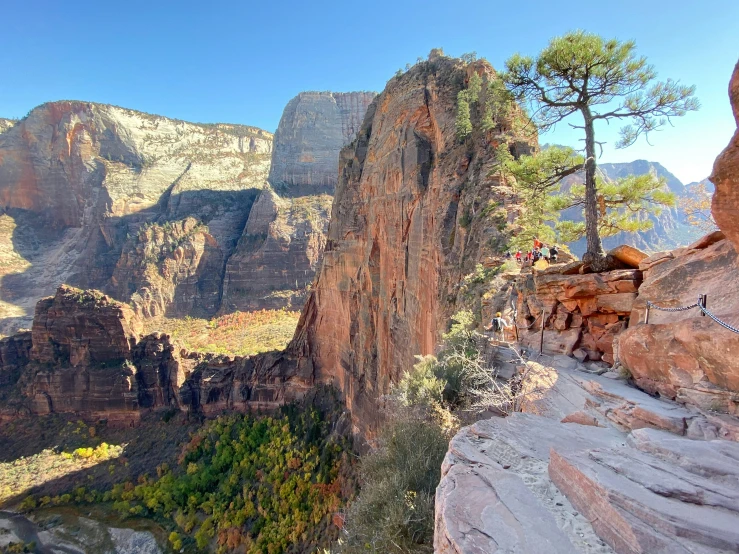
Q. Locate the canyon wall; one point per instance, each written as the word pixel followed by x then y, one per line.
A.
pixel 282 245
pixel 86 354
pixel 725 175
pixel 158 212
pixel 81 183
pixel 408 221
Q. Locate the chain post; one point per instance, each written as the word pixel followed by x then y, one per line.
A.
pixel 702 301
pixel 646 318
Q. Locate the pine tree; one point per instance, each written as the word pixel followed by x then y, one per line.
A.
pixel 602 80
pixel 464 124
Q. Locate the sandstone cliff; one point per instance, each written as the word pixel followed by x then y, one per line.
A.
pixel 78 181
pixel 312 130
pixel 86 354
pixel 282 245
pixel 407 222
pixel 725 175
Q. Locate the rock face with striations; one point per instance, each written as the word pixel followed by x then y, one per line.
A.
pixel 282 245
pixel 312 130
pixel 402 234
pixel 86 356
pixel 81 183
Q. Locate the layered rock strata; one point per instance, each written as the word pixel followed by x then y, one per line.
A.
pixel 602 468
pixel 407 222
pixel 79 182
pixel 281 248
pixel 581 314
pixel 313 129
pixel 684 355
pixel 86 355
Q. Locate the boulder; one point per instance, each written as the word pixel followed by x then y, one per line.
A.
pixel 725 175
pixel 684 354
pixel 628 255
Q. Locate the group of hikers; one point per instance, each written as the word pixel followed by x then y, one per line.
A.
pixel 540 252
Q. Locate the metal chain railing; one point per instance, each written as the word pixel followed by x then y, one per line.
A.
pixel 701 304
pixel 717 320
pixel 680 309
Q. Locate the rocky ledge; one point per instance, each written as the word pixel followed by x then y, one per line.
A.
pixel 599 467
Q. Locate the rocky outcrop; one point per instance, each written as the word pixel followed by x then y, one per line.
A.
pixel 407 222
pixel 279 253
pixel 600 468
pixel 684 355
pixel 173 269
pixel 80 328
pixel 86 355
pixel 580 314
pixel 282 245
pixel 725 175
pixel 15 353
pixel 314 127
pixel 79 181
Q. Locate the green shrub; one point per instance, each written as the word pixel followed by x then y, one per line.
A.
pixel 394 512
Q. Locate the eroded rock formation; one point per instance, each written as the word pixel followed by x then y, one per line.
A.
pixel 407 222
pixel 725 175
pixel 282 245
pixel 86 355
pixel 312 130
pixel 79 181
pixel 581 314
pixel 684 355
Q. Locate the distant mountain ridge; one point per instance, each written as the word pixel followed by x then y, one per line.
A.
pixel 670 229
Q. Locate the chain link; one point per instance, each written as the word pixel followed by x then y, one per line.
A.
pixel 532 323
pixel 680 309
pixel 696 305
pixel 717 320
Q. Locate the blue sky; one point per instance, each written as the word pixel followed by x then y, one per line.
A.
pixel 242 61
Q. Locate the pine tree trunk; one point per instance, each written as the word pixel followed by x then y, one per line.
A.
pixel 595 251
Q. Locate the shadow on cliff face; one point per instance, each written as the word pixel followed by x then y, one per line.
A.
pixel 36 257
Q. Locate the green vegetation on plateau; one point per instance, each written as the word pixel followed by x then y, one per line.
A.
pixel 241 483
pixel 239 333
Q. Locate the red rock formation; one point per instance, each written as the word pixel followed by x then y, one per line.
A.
pixel 398 241
pixel 725 175
pixel 584 313
pixel 683 355
pixel 281 248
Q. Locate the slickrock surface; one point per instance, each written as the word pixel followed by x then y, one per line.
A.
pixel 395 244
pixel 582 314
pixel 683 355
pixel 602 468
pixel 282 245
pixel 725 176
pixel 78 182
